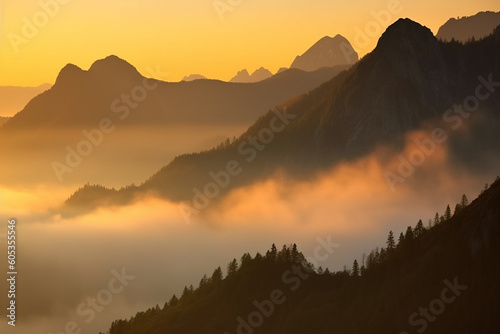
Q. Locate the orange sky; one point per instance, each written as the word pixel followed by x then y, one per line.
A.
pixel 190 36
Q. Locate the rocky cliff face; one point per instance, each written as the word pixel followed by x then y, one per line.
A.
pixel 403 81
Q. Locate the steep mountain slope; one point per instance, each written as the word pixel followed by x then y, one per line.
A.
pixel 327 52
pixel 443 279
pixel 409 79
pixel 465 28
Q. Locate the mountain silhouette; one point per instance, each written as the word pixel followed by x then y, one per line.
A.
pixel 82 98
pixel 192 77
pixel 410 79
pixel 468 27
pixel 243 76
pixel 327 52
pixel 13 98
pixel 441 279
pixel 281 69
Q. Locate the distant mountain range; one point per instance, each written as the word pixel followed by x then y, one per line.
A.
pixel 193 77
pixel 80 98
pixel 13 99
pixel 258 75
pixel 182 116
pixel 410 79
pixel 465 28
pixel 327 52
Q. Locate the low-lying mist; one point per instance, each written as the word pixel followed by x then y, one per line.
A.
pixel 65 261
pixel 120 157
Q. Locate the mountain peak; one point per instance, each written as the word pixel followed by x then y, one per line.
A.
pixel 327 52
pixel 69 73
pixel 113 66
pixel 405 30
pixel 405 40
pixel 244 77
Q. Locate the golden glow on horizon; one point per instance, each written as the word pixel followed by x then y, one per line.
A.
pixel 188 37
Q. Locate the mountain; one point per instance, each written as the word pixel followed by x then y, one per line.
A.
pixel 244 77
pixel 140 113
pixel 13 99
pixel 241 76
pixel 82 98
pixel 439 279
pixel 282 69
pixel 410 80
pixel 327 52
pixel 193 77
pixel 260 74
pixel 465 28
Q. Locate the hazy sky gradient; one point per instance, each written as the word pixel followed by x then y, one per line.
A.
pixel 186 37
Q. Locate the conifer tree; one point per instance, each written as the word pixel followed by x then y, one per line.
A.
pixel 436 219
pixel 232 267
pixel 273 253
pixel 390 241
pixel 204 281
pixel 409 234
pixel 464 202
pixel 401 239
pixel 419 229
pixel 217 275
pixel 447 213
pixel 173 301
pixel 355 269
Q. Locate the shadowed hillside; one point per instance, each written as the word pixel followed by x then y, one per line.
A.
pixel 441 279
pixel 467 28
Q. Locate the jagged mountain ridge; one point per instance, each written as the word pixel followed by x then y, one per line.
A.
pixel 258 75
